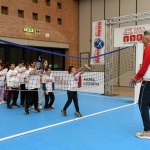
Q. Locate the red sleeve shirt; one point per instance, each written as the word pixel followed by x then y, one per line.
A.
pixel 145 64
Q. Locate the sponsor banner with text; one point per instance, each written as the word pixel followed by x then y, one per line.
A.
pixel 127 36
pixel 92 82
pixel 98 41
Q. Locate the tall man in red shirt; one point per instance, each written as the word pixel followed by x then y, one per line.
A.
pixel 144 96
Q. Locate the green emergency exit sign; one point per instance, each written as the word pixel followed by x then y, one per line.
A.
pixel 28 30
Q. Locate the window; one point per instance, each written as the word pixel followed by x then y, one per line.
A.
pixel 20 13
pixel 48 19
pixel 4 10
pixel 35 16
pixel 59 5
pixel 59 21
pixel 35 1
pixel 47 2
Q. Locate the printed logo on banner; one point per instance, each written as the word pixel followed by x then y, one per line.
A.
pixel 132 35
pixel 127 36
pixel 139 37
pixel 98 43
pixel 126 39
pixel 132 38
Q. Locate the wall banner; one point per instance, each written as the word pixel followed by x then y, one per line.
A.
pixel 127 36
pixel 98 41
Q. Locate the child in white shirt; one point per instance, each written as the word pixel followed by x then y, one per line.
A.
pixel 72 88
pixel 2 83
pixel 48 87
pixel 21 74
pixel 32 80
pixel 13 85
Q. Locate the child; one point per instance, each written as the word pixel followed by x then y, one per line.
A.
pixel 32 80
pixel 72 88
pixel 48 87
pixel 2 83
pixel 43 73
pixel 21 74
pixel 13 85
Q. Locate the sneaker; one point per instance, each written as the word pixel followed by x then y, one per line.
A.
pixel 47 108
pixel 40 107
pixel 63 112
pixel 143 134
pixel 37 110
pixel 32 107
pixel 15 105
pixel 78 114
pixel 26 111
pixel 9 107
pixel 51 107
pixel 3 102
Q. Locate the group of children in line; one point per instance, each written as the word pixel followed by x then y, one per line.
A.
pixel 34 78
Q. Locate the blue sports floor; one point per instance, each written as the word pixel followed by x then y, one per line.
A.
pixel 109 123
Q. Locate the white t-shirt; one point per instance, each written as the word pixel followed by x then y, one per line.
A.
pixel 48 80
pixel 33 80
pixel 21 73
pixel 12 78
pixel 2 77
pixel 73 82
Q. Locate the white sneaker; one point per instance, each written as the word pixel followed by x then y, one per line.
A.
pixel 40 106
pixel 143 134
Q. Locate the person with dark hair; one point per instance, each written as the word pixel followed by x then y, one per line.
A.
pixel 21 74
pixel 2 83
pixel 13 85
pixel 32 82
pixel 43 73
pixel 48 87
pixel 144 96
pixel 72 88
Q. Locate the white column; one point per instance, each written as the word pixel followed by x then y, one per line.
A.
pixel 139 59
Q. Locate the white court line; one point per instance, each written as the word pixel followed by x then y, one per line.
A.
pixel 64 122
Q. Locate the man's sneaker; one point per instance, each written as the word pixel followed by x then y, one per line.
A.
pixel 40 107
pixel 143 134
pixel 78 114
pixel 37 110
pixel 26 111
pixel 63 112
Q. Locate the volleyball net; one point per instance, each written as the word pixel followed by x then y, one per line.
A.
pixel 111 65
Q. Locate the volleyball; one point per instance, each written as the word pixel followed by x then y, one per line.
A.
pixel 98 43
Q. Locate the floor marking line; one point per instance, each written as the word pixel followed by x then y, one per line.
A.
pixel 60 123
